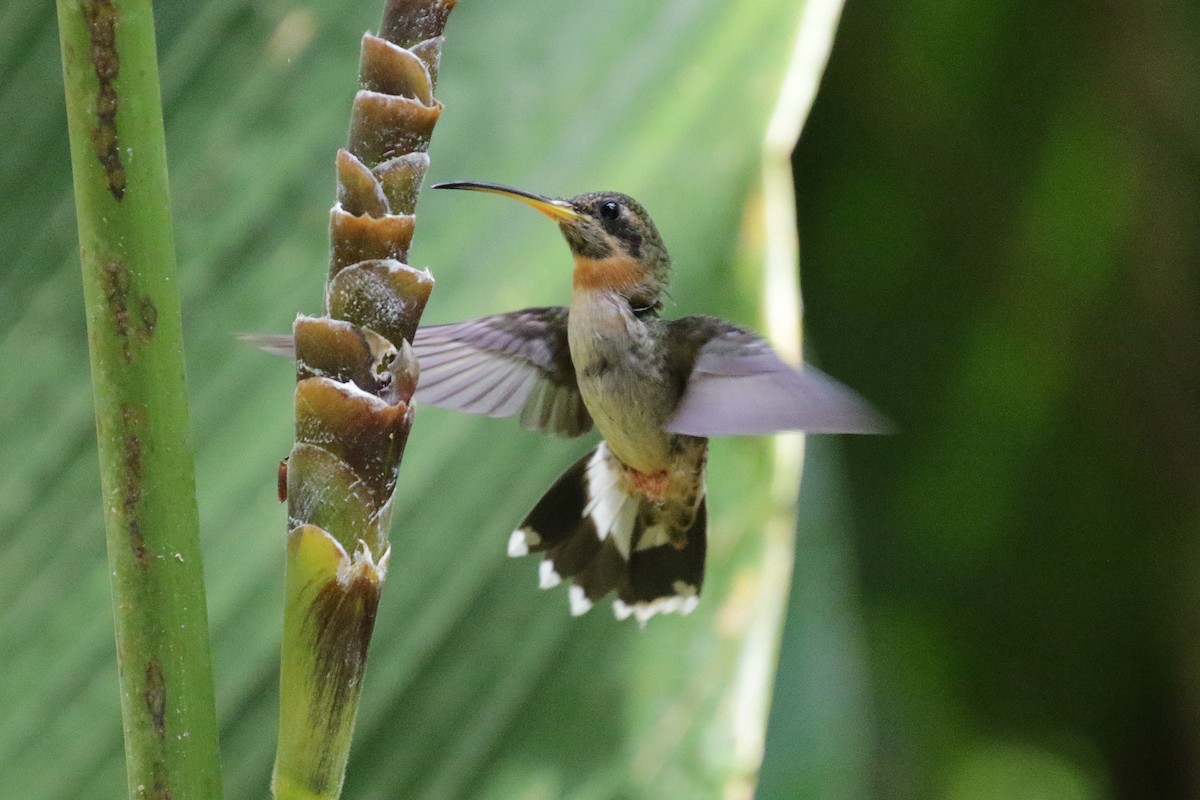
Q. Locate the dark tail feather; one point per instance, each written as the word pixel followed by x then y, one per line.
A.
pixel 666 579
pixel 556 517
pixel 589 529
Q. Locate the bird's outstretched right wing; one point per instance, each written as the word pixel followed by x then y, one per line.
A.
pixel 736 384
pixel 502 365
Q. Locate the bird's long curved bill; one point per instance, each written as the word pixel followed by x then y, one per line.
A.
pixel 557 210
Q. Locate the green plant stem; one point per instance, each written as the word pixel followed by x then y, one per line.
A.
pixel 114 115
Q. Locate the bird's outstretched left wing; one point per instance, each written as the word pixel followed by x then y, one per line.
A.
pixel 736 384
pixel 504 364
pixel 499 366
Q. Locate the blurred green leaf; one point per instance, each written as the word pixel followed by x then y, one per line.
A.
pixel 480 684
pixel 997 202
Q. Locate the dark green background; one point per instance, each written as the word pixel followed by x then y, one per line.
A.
pixel 998 211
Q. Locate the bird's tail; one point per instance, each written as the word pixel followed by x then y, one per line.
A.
pixel 592 531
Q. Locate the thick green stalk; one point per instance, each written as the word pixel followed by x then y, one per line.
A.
pixel 114 115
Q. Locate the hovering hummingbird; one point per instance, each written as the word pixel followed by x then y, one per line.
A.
pixel 630 516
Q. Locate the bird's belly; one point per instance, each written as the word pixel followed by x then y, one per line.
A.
pixel 630 417
pixel 622 381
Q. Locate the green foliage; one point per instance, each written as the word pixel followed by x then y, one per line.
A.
pixel 480 684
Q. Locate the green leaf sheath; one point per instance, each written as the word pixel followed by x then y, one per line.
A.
pixel 355 375
pixel 118 157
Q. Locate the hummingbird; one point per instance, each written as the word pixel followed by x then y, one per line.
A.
pixel 630 517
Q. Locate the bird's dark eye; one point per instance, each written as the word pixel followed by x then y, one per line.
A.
pixel 610 209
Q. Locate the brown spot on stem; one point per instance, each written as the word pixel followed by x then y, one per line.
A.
pixel 101 17
pixel 131 482
pixel 115 282
pixel 155 695
pixel 147 319
pixel 132 421
pixel 137 543
pixel 162 787
pixel 131 446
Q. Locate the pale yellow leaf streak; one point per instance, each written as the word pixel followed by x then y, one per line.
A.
pixel 751 689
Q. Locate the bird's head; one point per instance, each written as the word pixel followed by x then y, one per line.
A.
pixel 614 241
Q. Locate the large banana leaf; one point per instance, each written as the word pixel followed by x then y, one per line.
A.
pixel 480 684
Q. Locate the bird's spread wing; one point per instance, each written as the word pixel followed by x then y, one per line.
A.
pixel 503 365
pixel 736 384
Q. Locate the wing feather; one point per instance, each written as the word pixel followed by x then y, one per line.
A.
pixel 507 397
pixel 469 386
pixel 736 384
pixel 504 365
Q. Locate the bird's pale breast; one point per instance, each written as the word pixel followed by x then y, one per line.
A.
pixel 619 369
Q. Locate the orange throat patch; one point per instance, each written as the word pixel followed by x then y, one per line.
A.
pixel 613 274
